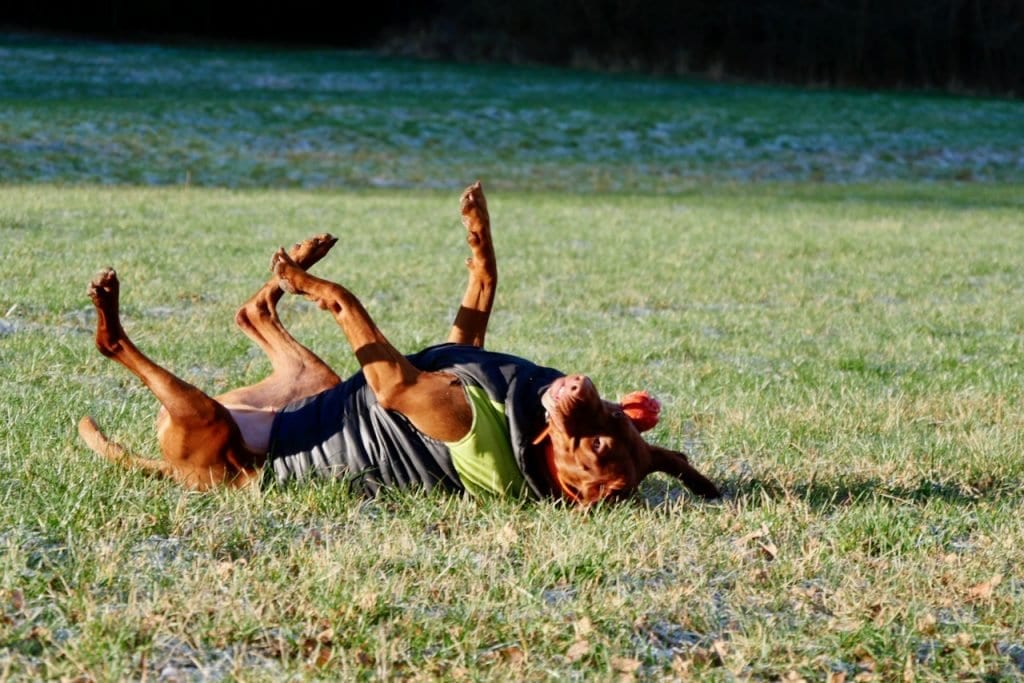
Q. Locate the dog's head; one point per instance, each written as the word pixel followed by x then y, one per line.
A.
pixel 594 449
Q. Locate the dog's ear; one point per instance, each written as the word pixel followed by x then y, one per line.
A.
pixel 677 464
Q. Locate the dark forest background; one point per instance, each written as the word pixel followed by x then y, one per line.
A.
pixel 956 45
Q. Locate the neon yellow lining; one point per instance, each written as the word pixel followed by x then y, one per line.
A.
pixel 483 457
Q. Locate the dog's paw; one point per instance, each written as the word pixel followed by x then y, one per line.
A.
pixel 477 222
pixel 473 201
pixel 282 266
pixel 103 287
pixel 310 251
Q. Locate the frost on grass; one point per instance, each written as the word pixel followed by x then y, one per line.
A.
pixel 1014 652
pixel 150 115
pixel 176 661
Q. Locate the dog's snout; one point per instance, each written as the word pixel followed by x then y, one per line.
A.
pixel 579 385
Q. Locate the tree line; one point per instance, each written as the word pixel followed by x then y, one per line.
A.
pixel 959 45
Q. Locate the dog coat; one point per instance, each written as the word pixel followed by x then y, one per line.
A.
pixel 343 432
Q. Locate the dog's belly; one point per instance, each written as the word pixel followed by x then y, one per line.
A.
pixel 255 425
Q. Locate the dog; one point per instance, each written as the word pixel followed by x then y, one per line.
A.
pixel 454 416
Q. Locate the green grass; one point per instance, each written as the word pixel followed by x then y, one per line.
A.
pixel 844 358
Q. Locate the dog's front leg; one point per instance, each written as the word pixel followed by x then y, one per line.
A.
pixel 470 325
pixel 434 402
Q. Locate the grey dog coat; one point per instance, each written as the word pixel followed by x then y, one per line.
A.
pixel 343 432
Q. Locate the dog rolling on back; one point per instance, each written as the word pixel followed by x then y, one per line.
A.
pixel 454 415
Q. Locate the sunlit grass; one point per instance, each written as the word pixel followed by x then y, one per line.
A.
pixel 845 361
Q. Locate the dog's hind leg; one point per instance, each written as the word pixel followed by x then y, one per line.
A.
pixel 470 326
pixel 201 442
pixel 296 372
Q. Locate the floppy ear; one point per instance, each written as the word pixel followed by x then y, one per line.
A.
pixel 676 464
pixel 642 408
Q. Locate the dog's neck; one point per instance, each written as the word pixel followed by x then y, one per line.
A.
pixel 546 449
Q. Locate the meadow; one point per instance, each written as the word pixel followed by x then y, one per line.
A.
pixel 825 289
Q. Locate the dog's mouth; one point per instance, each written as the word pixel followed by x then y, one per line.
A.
pixel 554 395
pixel 572 406
pixel 560 401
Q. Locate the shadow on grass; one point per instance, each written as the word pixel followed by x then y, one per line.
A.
pixel 827 495
pixel 824 496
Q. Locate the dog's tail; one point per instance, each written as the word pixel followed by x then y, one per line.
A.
pixel 96 440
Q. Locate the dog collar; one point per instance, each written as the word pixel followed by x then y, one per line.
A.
pixel 543 439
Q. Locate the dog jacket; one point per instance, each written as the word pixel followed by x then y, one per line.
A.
pixel 343 432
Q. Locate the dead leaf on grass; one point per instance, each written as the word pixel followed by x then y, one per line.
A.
pixel 753 536
pixel 40 634
pixel 983 591
pixel 583 627
pixel 865 660
pixel 961 639
pixel 323 655
pixel 224 569
pixel 845 624
pixel 507 536
pixel 766 546
pixel 366 601
pixel 577 650
pixel 511 654
pixel 318 650
pixel 927 624
pixel 625 665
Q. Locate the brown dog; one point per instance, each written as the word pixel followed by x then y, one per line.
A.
pixel 452 415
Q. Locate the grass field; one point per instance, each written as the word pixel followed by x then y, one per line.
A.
pixel 825 289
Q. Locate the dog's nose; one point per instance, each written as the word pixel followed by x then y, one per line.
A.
pixel 578 384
